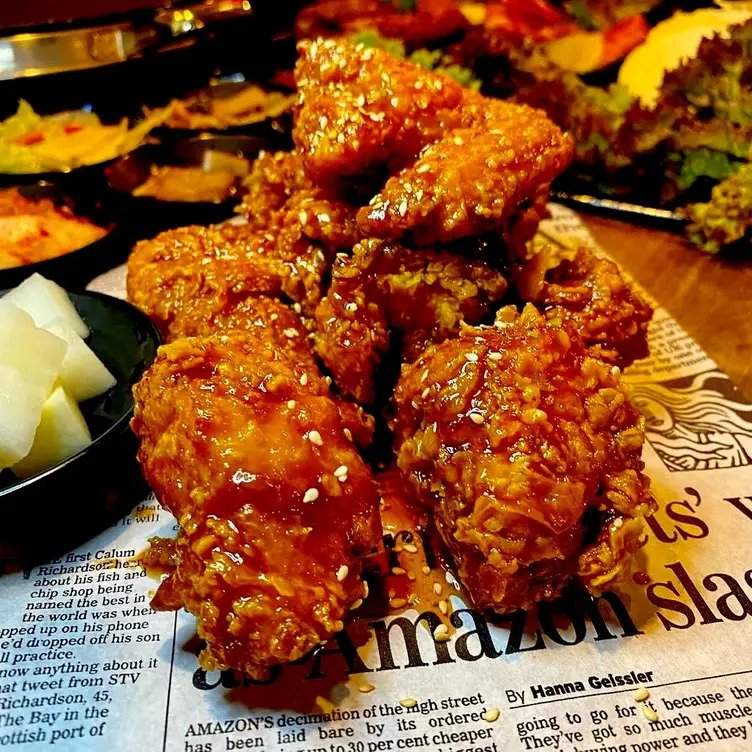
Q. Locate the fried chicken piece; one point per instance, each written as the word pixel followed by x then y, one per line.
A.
pixel 429 21
pixel 591 293
pixel 200 272
pixel 362 109
pixel 475 180
pixel 281 198
pixel 464 164
pixel 425 295
pixel 527 450
pixel 268 318
pixel 192 264
pixel 277 510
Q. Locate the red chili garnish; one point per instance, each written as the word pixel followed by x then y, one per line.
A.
pixel 73 128
pixel 31 138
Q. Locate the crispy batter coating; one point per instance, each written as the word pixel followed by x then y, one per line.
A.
pixel 424 295
pixel 276 508
pixel 464 164
pixel 269 319
pixel 362 109
pixel 528 452
pixel 281 198
pixel 200 272
pixel 473 181
pixel 591 293
pixel 199 266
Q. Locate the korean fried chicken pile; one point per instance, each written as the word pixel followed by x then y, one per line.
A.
pixel 388 239
pixel 527 451
pixel 244 445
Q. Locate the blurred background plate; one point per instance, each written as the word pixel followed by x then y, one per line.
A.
pixel 73 270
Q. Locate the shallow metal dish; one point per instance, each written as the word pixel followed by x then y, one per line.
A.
pixel 46 52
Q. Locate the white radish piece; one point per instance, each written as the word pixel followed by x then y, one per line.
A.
pixel 62 432
pixel 47 302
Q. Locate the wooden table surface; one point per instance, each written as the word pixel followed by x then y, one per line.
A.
pixel 711 297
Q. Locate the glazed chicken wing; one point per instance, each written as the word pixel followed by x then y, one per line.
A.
pixel 475 180
pixel 424 295
pixel 200 266
pixel 527 450
pixel 464 164
pixel 276 508
pixel 281 198
pixel 362 109
pixel 591 293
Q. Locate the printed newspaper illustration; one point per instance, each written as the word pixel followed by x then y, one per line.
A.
pixel 86 664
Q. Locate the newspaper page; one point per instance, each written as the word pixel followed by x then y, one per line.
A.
pixel 86 664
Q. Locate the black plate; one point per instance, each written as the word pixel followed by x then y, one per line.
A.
pixel 131 171
pixel 75 269
pixel 70 502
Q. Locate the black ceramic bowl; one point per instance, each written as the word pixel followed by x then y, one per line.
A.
pixel 75 269
pixel 154 214
pixel 59 508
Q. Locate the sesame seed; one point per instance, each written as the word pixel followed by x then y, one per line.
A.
pixel 303 217
pixel 356 604
pixel 411 548
pixel 533 415
pixel 304 379
pixel 471 357
pixel 436 588
pixel 273 317
pixel 426 569
pixel 315 437
pixel 291 404
pixel 348 434
pixel 290 333
pixel 397 602
pixel 351 307
pixel 342 573
pixel 342 470
pixel 398 570
pixel 441 633
pixel 618 523
pixel 365 589
pixel 477 418
pixel 491 715
pixel 423 168
pixel 311 495
pixel 641 694
pixel 495 356
pixel 366 687
pixel 408 702
pixel 443 607
pixel 425 392
pixel 649 713
pixel 323 217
